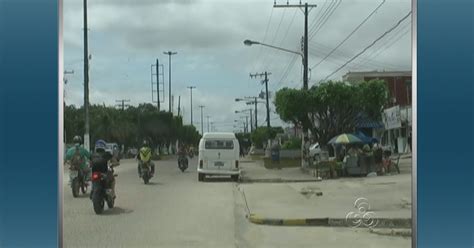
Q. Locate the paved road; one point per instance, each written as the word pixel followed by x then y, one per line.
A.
pixel 175 210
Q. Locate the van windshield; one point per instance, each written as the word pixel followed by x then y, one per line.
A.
pixel 219 144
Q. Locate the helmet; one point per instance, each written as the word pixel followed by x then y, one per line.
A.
pixel 77 139
pixel 145 142
pixel 100 144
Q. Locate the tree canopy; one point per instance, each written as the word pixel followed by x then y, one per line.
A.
pixel 331 108
pixel 130 126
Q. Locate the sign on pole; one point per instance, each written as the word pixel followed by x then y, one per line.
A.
pixel 391 118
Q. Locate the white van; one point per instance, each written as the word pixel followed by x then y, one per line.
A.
pixel 218 155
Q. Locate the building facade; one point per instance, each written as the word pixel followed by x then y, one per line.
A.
pixel 396 137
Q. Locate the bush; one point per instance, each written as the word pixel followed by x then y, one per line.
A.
pixel 293 143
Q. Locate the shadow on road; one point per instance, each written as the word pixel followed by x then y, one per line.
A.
pixel 154 183
pixel 218 179
pixel 117 211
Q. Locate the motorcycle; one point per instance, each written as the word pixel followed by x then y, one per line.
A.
pixel 78 180
pixel 182 163
pixel 101 190
pixel 145 172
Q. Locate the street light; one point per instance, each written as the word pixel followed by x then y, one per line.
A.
pixel 169 53
pixel 191 90
pixel 305 66
pixel 251 42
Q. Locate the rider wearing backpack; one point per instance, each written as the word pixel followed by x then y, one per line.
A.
pixel 78 156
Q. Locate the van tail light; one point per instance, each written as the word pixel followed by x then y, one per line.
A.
pixel 236 164
pixel 95 176
pixel 200 164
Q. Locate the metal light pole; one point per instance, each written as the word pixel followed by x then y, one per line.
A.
pixel 86 81
pixel 202 123
pixel 191 90
pixel 305 65
pixel 170 53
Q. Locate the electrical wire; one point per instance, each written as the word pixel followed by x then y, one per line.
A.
pixel 384 47
pixel 350 34
pixel 325 20
pixel 369 46
pixel 264 39
pixel 319 19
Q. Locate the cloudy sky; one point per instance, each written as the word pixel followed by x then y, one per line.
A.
pixel 127 36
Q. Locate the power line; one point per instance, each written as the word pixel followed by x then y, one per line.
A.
pixel 325 20
pixel 265 59
pixel 369 46
pixel 340 56
pixel 319 18
pixel 353 31
pixel 386 45
pixel 289 26
pixel 264 39
pixel 290 66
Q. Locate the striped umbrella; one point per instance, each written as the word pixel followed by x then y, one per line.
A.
pixel 345 138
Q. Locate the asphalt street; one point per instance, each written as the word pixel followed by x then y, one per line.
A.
pixel 175 210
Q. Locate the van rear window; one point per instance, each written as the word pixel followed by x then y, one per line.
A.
pixel 220 144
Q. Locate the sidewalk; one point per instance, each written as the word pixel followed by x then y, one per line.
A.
pixel 254 171
pixel 298 203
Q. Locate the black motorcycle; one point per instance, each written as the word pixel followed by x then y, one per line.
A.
pixel 78 180
pixel 182 163
pixel 145 172
pixel 102 191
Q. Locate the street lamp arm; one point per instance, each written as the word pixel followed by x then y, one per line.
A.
pixel 283 49
pixel 249 43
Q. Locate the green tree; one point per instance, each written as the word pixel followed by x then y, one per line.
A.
pixel 332 108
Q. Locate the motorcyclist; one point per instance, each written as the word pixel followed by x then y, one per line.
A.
pixel 100 163
pixel 182 151
pixel 78 157
pixel 144 156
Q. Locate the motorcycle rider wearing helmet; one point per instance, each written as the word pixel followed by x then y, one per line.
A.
pixel 100 163
pixel 79 156
pixel 144 156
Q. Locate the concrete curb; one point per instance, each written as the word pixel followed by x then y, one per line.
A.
pixel 393 232
pixel 277 180
pixel 330 222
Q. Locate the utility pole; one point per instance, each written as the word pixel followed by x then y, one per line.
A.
pixel 306 8
pixel 179 105
pixel 265 81
pixel 191 90
pixel 251 121
pixel 86 81
pixel 202 123
pixel 121 103
pixel 246 124
pixel 172 104
pixel 256 122
pixel 158 84
pixel 208 123
pixel 169 53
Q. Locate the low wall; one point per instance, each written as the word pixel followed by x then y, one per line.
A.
pixel 295 154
